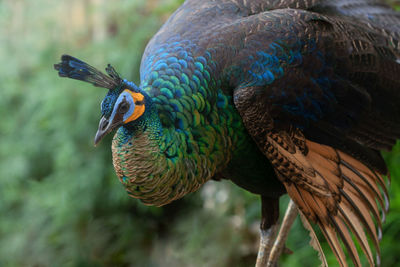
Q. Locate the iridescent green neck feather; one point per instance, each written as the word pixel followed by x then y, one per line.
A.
pixel 186 136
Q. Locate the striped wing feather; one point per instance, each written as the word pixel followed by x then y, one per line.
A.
pixel 327 68
pixel 335 191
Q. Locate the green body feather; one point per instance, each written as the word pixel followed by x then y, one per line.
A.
pixel 158 161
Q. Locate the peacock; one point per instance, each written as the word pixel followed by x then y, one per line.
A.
pixel 292 97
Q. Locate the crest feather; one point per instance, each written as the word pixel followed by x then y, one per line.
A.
pixel 76 69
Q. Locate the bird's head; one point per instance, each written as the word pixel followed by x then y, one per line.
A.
pixel 124 102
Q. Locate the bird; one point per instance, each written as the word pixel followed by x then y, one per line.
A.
pixel 294 97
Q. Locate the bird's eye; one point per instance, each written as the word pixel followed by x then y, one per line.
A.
pixel 123 108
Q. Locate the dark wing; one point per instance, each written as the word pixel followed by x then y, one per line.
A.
pixel 376 12
pixel 320 96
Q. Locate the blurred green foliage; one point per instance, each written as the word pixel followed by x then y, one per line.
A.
pixel 60 201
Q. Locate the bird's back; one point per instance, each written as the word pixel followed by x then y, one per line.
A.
pixel 296 95
pixel 314 83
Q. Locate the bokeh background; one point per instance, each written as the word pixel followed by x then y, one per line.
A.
pixel 61 203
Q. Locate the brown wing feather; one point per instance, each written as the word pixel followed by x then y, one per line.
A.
pixel 337 192
pixel 351 220
pixel 344 234
pixel 314 240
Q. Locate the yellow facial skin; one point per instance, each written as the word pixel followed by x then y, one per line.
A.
pixel 138 98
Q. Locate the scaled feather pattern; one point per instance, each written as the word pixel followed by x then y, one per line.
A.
pixel 279 96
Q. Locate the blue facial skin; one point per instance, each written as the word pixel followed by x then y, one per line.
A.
pixel 124 96
pixel 110 100
pixel 107 105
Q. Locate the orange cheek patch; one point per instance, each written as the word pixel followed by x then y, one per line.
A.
pixel 138 98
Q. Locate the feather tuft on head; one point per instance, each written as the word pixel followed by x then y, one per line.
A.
pixel 76 69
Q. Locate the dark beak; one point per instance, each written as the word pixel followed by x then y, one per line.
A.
pixel 106 126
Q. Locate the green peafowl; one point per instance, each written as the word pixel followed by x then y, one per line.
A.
pixel 279 96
